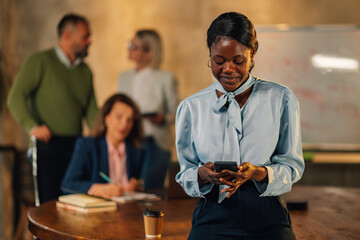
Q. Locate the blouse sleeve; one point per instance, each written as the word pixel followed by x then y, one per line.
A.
pixel 187 155
pixel 287 162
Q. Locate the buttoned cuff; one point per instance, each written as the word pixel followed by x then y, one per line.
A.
pixel 263 187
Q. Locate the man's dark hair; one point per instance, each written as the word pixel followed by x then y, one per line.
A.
pixel 70 18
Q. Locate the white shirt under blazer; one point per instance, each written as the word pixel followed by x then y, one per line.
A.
pixel 154 91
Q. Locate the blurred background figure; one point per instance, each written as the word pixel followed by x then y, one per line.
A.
pixel 115 150
pixel 155 91
pixel 51 94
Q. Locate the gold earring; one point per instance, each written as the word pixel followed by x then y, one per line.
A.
pixel 209 64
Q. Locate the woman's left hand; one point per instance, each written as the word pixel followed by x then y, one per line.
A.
pixel 133 185
pixel 246 171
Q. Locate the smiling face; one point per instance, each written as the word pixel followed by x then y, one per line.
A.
pixel 230 62
pixel 119 121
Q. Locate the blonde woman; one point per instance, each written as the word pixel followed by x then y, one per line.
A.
pixel 155 91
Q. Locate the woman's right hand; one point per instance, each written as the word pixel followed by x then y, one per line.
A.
pixel 134 185
pixel 107 190
pixel 206 174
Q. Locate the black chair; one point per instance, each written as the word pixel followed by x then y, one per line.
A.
pixel 174 190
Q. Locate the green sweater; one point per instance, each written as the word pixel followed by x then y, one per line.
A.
pixel 47 92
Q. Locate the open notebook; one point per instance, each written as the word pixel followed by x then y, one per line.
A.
pixel 135 196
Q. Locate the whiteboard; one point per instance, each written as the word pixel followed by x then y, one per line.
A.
pixel 321 66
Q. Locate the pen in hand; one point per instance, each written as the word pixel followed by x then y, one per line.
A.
pixel 115 187
pixel 105 177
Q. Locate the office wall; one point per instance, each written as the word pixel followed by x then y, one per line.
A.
pixel 29 25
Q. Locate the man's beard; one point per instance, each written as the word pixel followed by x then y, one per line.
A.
pixel 82 54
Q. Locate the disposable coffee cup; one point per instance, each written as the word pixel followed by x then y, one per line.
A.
pixel 153 220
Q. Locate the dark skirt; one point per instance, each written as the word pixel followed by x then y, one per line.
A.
pixel 244 215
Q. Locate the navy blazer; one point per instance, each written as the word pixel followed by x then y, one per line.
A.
pixel 91 156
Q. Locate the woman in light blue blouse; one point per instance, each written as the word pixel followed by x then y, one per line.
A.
pixel 244 119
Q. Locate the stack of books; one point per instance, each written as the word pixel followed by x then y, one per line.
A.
pixel 85 203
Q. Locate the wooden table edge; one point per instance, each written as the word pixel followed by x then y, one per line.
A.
pixel 37 230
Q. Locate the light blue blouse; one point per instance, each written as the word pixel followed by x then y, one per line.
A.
pixel 271 137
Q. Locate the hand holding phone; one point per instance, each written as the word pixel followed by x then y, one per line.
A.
pixel 230 165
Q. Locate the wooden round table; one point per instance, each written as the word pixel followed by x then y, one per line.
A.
pixel 50 222
pixel 333 213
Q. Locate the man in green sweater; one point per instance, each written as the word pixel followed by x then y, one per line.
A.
pixel 51 95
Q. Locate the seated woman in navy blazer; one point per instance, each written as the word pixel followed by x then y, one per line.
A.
pixel 115 150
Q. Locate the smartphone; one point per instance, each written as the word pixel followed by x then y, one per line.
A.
pixel 149 114
pixel 230 165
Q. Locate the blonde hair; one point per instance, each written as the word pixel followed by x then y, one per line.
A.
pixel 151 41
